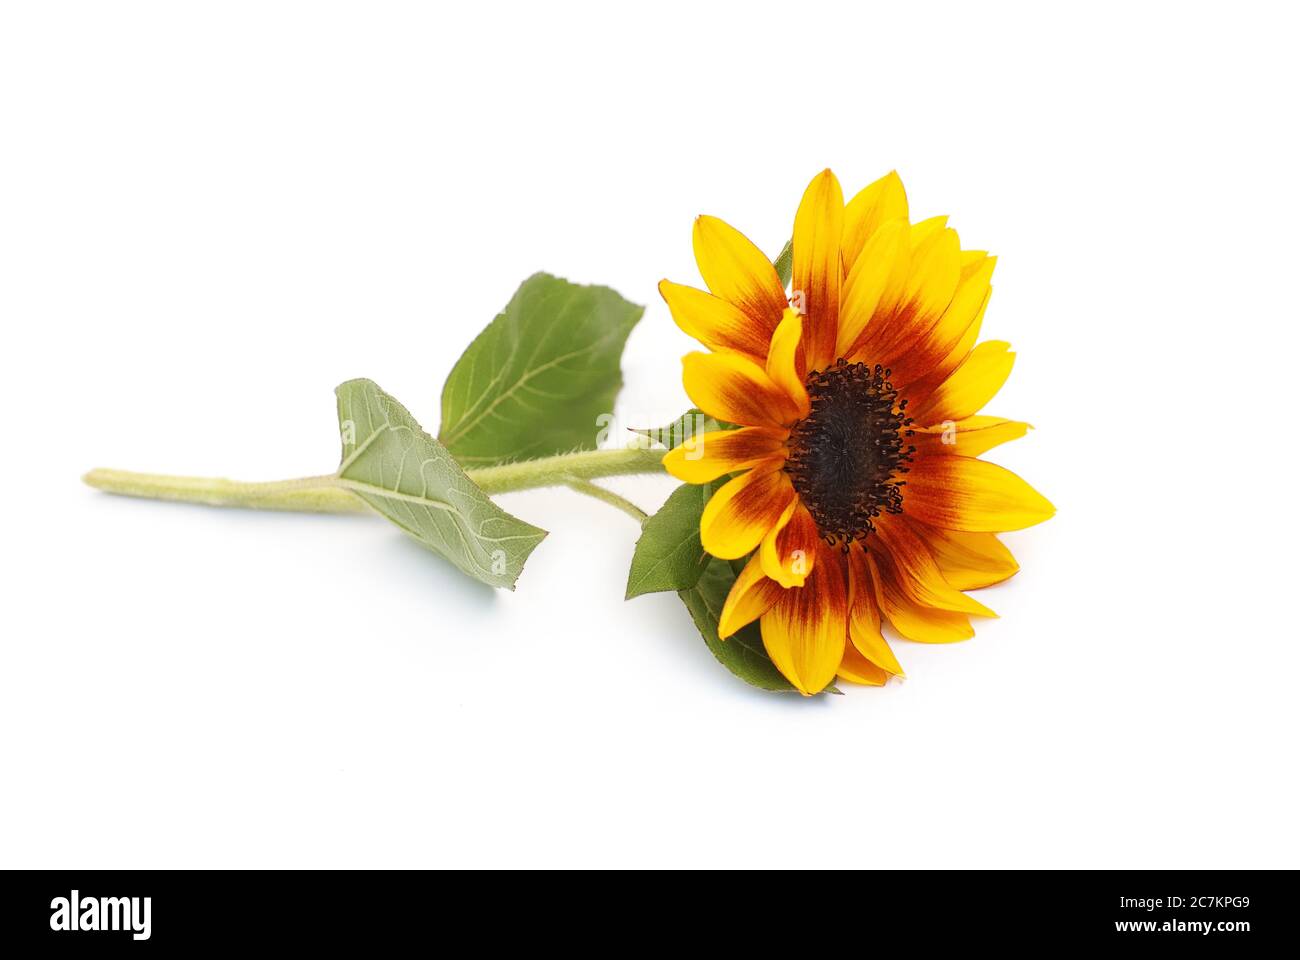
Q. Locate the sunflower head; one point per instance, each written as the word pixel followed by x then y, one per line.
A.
pixel 856 490
pixel 846 459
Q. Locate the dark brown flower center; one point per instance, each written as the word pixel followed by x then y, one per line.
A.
pixel 847 456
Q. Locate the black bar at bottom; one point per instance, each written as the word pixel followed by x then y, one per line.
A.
pixel 848 910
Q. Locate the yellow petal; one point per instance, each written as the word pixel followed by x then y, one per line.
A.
pixel 923 230
pixel 815 286
pixel 716 323
pixel 971 270
pixel 855 668
pixel 918 290
pixel 864 616
pixel 921 624
pixel 907 311
pixel 734 389
pixel 916 574
pixel 804 632
pixel 920 390
pixel 783 360
pixel 874 205
pixel 928 349
pixel 789 550
pixel 970 387
pixel 935 272
pixel 710 455
pixel 738 272
pixel 969 561
pixel 751 596
pixel 962 493
pixel 915 237
pixel 740 514
pixel 967 438
pixel 866 282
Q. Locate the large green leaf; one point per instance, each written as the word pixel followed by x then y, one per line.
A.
pixel 534 382
pixel 406 475
pixel 742 653
pixel 669 555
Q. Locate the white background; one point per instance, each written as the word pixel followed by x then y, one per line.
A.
pixel 210 214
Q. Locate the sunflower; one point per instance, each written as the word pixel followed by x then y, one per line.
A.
pixel 854 432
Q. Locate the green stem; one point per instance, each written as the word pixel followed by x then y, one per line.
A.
pixel 610 497
pixel 331 494
pixel 558 471
pixel 310 494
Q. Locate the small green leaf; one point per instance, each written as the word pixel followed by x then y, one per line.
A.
pixel 742 653
pixel 690 424
pixel 538 377
pixel 669 555
pixel 784 263
pixel 406 475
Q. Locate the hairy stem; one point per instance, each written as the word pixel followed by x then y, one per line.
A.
pixel 610 497
pixel 331 494
pixel 310 494
pixel 560 470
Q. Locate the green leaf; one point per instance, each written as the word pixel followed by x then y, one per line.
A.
pixel 669 555
pixel 742 653
pixel 784 263
pixel 406 475
pixel 690 424
pixel 534 382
